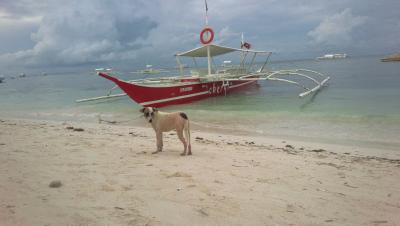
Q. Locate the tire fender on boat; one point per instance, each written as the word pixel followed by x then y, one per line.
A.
pixel 210 37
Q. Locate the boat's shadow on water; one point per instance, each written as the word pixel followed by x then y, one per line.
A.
pixel 311 98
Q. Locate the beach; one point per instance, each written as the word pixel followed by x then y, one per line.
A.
pixel 76 173
pixel 293 110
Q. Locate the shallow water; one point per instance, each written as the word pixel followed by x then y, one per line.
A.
pixel 361 105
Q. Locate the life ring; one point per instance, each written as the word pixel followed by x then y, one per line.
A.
pixel 210 37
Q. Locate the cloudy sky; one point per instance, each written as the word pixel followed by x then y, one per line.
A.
pixel 51 33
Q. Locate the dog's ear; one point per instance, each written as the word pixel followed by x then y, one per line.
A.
pixel 142 110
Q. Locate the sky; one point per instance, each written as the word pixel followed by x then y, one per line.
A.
pixel 55 33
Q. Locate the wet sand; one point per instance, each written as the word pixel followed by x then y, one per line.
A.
pixel 54 173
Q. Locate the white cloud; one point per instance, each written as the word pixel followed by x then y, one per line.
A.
pixel 337 29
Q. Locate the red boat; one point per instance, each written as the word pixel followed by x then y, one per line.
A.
pixel 184 90
pixel 163 91
pixel 209 82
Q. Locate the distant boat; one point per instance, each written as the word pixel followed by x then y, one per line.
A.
pixel 150 70
pixel 227 63
pixel 22 75
pixel 393 57
pixel 103 69
pixel 1 78
pixel 332 56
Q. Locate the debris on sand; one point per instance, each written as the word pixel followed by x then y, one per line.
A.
pixel 290 208
pixel 379 222
pixel 203 212
pixel 55 184
pixel 179 174
pixel 289 149
pixel 74 129
pixel 106 121
pixel 318 150
pixel 78 129
pixel 347 185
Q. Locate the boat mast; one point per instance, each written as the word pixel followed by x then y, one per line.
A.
pixel 208 46
pixel 241 52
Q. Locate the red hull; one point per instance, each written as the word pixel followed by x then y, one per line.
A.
pixel 152 96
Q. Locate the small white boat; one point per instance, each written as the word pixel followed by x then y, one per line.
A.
pixel 103 69
pixel 150 70
pixel 226 63
pixel 332 56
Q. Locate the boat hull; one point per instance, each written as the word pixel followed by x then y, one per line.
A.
pixel 160 96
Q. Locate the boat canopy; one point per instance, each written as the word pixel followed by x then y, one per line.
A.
pixel 215 50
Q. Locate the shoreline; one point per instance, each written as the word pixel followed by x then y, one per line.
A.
pixel 110 177
pixel 379 148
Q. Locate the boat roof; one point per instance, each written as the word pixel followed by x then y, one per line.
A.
pixel 215 50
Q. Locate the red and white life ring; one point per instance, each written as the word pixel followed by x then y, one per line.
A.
pixel 210 36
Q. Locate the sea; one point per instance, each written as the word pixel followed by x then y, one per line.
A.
pixel 360 106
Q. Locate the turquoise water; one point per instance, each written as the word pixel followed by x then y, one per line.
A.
pixel 360 105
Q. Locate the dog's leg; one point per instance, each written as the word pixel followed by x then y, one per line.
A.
pixel 187 134
pixel 180 135
pixel 159 142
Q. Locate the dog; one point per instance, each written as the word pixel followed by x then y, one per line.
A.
pixel 164 122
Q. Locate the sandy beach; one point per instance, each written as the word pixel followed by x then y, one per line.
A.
pixel 60 173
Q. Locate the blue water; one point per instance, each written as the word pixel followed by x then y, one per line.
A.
pixel 360 105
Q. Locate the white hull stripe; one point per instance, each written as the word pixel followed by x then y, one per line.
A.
pixel 173 98
pixel 188 96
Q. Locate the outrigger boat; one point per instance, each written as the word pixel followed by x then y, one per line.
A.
pixel 211 82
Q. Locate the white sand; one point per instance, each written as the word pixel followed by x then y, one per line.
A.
pixel 110 177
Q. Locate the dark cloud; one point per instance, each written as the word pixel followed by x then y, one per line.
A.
pixel 81 32
pixel 22 8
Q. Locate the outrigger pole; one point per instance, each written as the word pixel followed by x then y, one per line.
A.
pixel 108 96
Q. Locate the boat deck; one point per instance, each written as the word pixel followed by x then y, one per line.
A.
pixel 187 80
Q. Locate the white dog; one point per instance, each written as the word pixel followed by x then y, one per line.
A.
pixel 163 122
